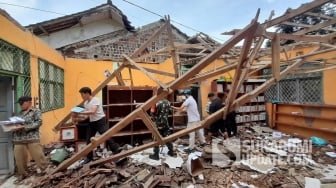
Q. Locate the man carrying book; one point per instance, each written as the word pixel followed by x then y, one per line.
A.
pixel 26 137
pixel 97 121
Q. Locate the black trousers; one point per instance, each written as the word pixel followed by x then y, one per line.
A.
pixel 101 127
pixel 164 133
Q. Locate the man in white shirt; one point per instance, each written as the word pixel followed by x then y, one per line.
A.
pixel 97 120
pixel 190 106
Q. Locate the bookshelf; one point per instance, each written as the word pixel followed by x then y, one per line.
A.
pixel 118 102
pixel 251 113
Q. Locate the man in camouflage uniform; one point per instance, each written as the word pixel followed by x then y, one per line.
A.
pixel 160 117
pixel 26 137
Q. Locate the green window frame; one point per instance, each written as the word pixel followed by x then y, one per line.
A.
pixel 51 86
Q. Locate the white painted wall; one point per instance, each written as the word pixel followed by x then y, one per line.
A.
pixel 78 33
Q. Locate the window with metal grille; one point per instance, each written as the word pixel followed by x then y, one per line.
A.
pixel 51 86
pixel 16 62
pixel 300 89
pixel 14 59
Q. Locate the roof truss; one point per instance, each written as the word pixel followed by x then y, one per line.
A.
pixel 252 36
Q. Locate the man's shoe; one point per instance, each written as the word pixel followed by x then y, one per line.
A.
pixel 188 150
pixel 172 153
pixel 85 161
pixel 154 157
pixel 116 151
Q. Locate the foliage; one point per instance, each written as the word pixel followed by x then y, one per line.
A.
pixel 327 9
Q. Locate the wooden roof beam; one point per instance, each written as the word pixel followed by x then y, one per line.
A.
pixel 137 52
pixel 44 30
pixel 114 130
pixel 302 9
pixel 251 28
pixel 318 15
pixel 133 63
pixel 209 74
pixel 207 121
pixel 316 27
pixel 307 38
pixel 153 71
pixel 150 125
pixel 295 24
pixel 245 60
pixel 94 92
pixel 188 61
pixel 276 57
pixel 173 51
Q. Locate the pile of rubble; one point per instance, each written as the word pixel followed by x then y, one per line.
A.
pixel 260 157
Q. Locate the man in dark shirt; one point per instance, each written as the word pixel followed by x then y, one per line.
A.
pixel 230 120
pixel 216 104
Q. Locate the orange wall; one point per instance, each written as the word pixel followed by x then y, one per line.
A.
pixel 77 73
pixel 329 89
pixel 205 85
pixel 37 49
pixel 80 73
pixel 329 76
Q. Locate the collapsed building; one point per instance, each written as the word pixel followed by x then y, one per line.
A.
pixel 290 73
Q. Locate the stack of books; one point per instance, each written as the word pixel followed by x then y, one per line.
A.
pixel 11 124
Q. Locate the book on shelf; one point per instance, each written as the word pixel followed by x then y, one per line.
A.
pixel 11 124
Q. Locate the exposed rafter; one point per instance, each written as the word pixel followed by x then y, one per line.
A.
pixel 253 36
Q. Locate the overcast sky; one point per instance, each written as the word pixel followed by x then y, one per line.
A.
pixel 212 17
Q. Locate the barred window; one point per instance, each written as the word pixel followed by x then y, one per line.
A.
pixel 300 88
pixel 15 61
pixel 51 86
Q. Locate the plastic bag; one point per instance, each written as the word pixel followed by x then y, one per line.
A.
pixel 318 141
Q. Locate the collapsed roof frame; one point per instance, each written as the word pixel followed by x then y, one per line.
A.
pixel 253 35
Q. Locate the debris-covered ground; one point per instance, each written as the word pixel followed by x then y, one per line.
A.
pixel 260 157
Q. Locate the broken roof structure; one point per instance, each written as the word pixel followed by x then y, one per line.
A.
pixel 69 29
pixel 107 10
pixel 112 45
pixel 248 62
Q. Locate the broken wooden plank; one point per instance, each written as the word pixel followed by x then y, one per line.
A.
pixel 302 9
pixel 238 79
pixel 214 55
pixel 153 71
pixel 139 51
pixel 174 55
pixel 150 125
pixel 276 57
pixel 94 92
pixel 158 82
pixel 209 74
pixel 130 76
pixel 316 27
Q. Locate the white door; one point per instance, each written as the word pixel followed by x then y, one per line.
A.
pixel 6 110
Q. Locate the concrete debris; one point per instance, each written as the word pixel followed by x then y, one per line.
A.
pixel 281 153
pixel 194 165
pixel 174 162
pixel 250 160
pixel 144 159
pixel 263 164
pixel 316 183
pixel 331 154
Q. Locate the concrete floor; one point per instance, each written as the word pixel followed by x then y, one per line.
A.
pixel 8 182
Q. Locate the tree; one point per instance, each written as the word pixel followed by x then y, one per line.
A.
pixel 327 9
